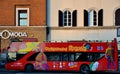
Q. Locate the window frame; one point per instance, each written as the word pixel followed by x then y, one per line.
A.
pixel 17 18
pixel 67 18
pixel 92 18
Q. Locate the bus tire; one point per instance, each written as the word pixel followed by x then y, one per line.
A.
pixel 84 69
pixel 29 68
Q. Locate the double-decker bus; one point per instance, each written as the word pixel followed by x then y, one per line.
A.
pixel 80 56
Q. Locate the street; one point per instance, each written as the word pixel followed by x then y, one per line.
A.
pixel 16 72
pixel 3 71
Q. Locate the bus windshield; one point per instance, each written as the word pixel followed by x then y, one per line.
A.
pixel 14 56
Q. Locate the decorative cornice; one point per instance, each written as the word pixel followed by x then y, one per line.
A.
pixel 22 27
pixel 58 28
pixel 79 28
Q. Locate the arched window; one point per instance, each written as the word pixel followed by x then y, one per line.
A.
pixel 92 18
pixel 117 17
pixel 67 18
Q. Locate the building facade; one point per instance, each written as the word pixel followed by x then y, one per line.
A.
pixel 83 19
pixel 22 19
pixel 59 20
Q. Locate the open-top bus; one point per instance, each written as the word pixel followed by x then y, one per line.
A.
pixel 81 56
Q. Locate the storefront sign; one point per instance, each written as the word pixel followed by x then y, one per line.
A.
pixel 5 34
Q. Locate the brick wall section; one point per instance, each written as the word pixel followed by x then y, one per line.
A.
pixel 8 11
pixel 32 32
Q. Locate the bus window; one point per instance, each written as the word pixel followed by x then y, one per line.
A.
pixel 90 56
pixel 11 57
pixel 98 56
pixel 71 57
pixel 81 56
pixel 32 57
pixel 95 56
pixel 20 55
pixel 53 56
pixel 77 56
pixel 64 57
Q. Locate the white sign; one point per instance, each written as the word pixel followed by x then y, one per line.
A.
pixel 5 34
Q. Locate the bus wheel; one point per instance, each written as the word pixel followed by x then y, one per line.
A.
pixel 84 69
pixel 29 68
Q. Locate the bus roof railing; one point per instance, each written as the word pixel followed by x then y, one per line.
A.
pixel 81 41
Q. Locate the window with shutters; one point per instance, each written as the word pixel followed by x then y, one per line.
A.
pixel 92 18
pixel 67 18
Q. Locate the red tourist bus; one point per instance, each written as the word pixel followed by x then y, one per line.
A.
pixel 63 56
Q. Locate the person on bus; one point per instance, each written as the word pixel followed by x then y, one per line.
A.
pixel 110 57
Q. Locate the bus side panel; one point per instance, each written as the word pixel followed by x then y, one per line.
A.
pixel 116 53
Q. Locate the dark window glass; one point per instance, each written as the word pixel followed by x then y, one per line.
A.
pixel 71 57
pixel 19 56
pixel 81 57
pixel 53 56
pixel 64 56
pixel 32 57
pixel 65 20
pixel 88 56
pixel 95 18
pixel 69 20
pixel 95 23
pixel 69 24
pixel 65 24
pixel 65 16
pixel 65 13
pixel 69 16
